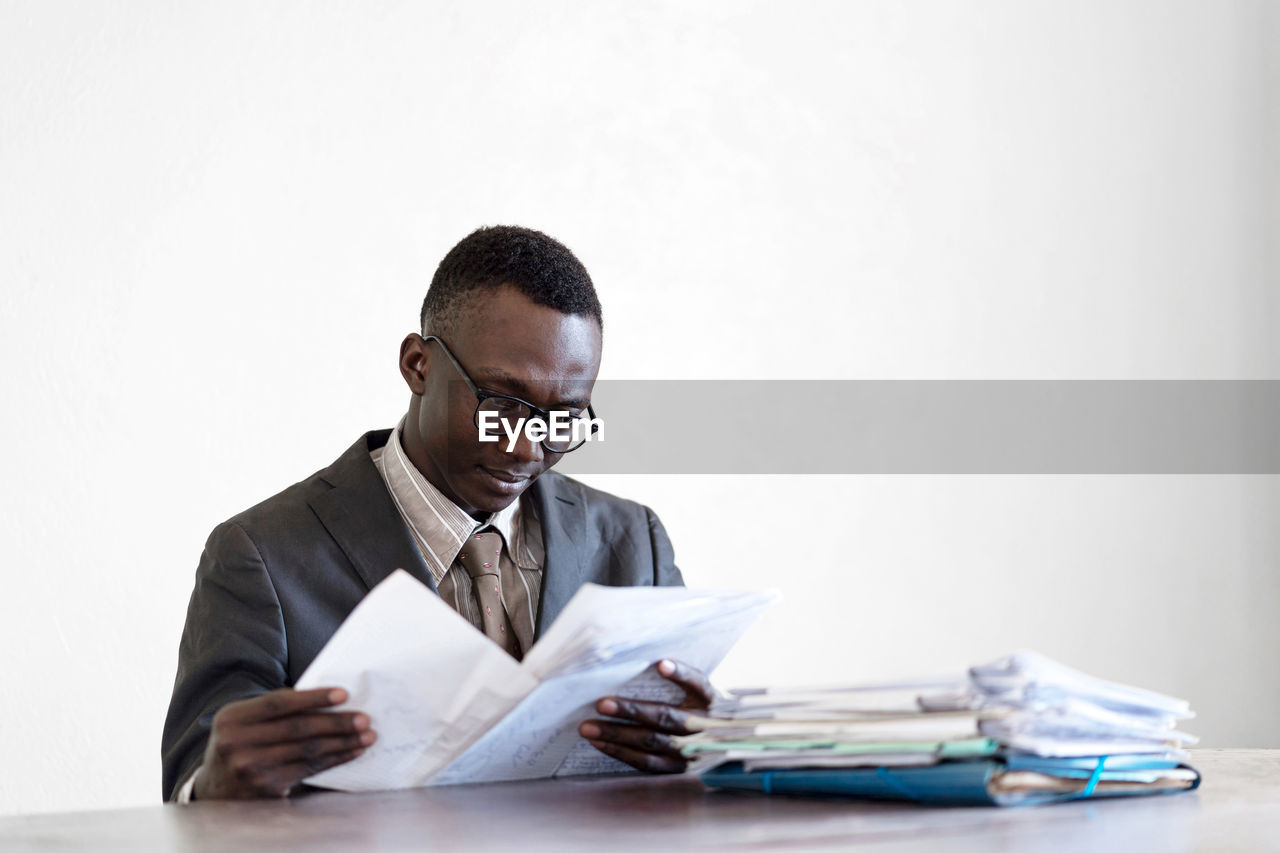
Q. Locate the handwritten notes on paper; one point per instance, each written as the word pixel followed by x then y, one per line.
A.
pixel 451 707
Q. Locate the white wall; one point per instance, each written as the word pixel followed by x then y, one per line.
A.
pixel 218 219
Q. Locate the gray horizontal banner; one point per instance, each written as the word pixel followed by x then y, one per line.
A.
pixel 933 427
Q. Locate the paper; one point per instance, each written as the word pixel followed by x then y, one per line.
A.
pixel 1022 704
pixel 1059 711
pixel 451 707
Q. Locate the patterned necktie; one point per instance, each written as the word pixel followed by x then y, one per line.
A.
pixel 480 556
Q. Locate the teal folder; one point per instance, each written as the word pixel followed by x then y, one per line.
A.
pixel 959 783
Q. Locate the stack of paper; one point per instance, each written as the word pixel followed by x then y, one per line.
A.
pixel 1052 710
pixel 837 727
pixel 450 706
pixel 1020 730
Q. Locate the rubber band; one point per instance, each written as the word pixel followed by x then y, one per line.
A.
pixel 885 776
pixel 1094 777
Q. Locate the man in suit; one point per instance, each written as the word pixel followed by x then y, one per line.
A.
pixel 511 331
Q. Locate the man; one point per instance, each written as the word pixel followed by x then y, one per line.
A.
pixel 511 330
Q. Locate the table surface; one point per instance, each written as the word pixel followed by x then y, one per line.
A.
pixel 1236 808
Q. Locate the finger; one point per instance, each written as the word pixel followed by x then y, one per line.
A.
pixel 282 703
pixel 648 762
pixel 280 781
pixel 305 750
pixel 639 738
pixel 655 715
pixel 301 727
pixel 695 683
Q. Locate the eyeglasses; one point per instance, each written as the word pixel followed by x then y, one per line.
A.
pixel 513 413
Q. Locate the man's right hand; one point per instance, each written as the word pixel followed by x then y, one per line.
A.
pixel 262 747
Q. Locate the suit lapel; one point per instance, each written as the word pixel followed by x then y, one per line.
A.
pixel 360 516
pixel 562 512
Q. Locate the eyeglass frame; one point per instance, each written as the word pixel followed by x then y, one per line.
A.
pixel 482 395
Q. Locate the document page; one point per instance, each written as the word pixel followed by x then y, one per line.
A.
pixel 451 707
pixel 426 678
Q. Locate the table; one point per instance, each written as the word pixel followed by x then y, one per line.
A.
pixel 1236 808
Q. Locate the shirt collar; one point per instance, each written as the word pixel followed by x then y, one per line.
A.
pixel 438 525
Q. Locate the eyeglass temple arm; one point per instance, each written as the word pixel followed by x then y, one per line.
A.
pixel 475 389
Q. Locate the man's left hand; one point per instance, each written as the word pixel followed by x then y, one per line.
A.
pixel 644 740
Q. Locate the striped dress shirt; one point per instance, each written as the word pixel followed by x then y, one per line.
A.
pixel 439 528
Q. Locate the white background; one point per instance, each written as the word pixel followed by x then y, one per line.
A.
pixel 217 221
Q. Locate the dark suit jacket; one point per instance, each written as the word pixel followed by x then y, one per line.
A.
pixel 275 581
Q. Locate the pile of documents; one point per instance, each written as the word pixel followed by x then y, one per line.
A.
pixel 1021 730
pixel 450 706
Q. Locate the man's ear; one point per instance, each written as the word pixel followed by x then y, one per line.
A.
pixel 415 361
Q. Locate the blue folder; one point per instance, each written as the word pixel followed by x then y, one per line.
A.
pixel 960 783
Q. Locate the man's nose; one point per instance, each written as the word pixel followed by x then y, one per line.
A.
pixel 527 452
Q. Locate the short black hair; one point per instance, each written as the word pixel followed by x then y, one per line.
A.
pixel 538 266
